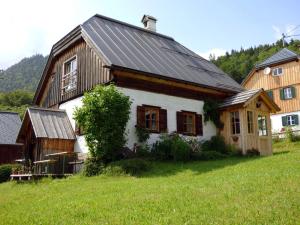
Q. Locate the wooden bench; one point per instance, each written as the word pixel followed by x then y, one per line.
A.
pixel 21 177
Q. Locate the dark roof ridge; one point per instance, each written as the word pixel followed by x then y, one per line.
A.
pixel 132 26
pixel 47 109
pixel 8 112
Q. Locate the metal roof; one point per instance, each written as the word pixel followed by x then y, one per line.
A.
pixel 10 124
pixel 239 98
pixel 281 56
pixel 50 123
pixel 128 46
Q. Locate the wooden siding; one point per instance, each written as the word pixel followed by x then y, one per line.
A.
pixel 244 140
pixel 290 77
pixel 90 72
pixel 9 153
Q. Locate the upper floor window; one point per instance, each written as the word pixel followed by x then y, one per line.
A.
pixel 277 71
pixel 235 122
pixel 69 76
pixel 287 93
pixel 262 125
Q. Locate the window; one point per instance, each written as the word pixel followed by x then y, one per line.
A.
pixel 250 122
pixel 290 120
pixel 277 71
pixel 189 123
pixel 152 119
pixel 235 122
pixel 270 93
pixel 262 125
pixel 69 77
pixel 287 93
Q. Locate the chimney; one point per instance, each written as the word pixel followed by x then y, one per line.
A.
pixel 149 22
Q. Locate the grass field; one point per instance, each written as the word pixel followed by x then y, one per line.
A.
pixel 262 190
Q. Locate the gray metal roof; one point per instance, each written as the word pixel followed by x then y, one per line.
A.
pixel 239 98
pixel 10 124
pixel 281 56
pixel 51 123
pixel 128 46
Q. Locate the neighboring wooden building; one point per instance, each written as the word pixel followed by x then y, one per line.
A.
pixel 279 76
pixel 10 124
pixel 166 82
pixel 44 132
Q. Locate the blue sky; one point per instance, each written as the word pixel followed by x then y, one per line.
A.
pixel 33 26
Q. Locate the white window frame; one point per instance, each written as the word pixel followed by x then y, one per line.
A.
pixel 291 120
pixel 277 71
pixel 287 92
pixel 72 75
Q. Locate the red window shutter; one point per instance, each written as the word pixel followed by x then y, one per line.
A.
pixel 140 120
pixel 199 125
pixel 180 119
pixel 163 120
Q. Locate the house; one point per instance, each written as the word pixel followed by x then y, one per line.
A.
pixel 279 75
pixel 166 82
pixel 10 124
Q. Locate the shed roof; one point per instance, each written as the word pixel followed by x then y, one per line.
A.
pixel 50 123
pixel 246 96
pixel 135 48
pixel 281 56
pixel 10 124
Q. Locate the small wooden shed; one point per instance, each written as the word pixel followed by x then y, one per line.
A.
pixel 44 132
pixel 246 118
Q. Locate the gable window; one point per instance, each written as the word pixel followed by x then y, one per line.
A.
pixel 189 123
pixel 250 122
pixel 262 125
pixel 287 93
pixel 152 118
pixel 290 120
pixel 235 122
pixel 69 77
pixel 277 71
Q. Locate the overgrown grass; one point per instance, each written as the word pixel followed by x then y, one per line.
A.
pixel 259 190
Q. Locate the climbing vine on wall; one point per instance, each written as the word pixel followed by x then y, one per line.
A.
pixel 212 113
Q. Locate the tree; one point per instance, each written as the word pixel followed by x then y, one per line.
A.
pixel 103 117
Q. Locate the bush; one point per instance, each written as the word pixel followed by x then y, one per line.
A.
pixel 103 116
pixel 171 147
pixel 217 144
pixel 143 151
pixel 127 166
pixel 6 170
pixel 92 167
pixel 289 134
pixel 142 134
pixel 252 152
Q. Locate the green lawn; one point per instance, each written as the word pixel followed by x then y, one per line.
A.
pixel 264 190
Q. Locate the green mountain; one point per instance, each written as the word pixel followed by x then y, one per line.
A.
pixel 24 75
pixel 239 63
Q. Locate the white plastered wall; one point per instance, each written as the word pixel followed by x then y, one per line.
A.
pixel 171 103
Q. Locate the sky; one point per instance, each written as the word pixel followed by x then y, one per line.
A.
pixel 211 26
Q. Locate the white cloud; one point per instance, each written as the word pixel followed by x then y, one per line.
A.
pixel 214 51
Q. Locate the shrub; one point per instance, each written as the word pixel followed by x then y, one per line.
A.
pixel 216 143
pixel 127 166
pixel 171 146
pixel 181 150
pixel 289 134
pixel 6 170
pixel 103 116
pixel 252 152
pixel 92 167
pixel 143 151
pixel 142 134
